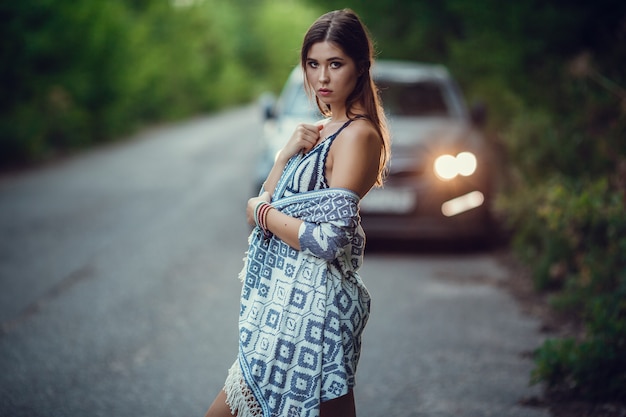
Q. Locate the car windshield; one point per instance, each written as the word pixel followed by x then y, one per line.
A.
pixel 420 99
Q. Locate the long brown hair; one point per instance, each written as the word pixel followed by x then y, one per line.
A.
pixel 344 29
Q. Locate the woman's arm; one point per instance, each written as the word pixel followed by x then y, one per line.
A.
pixel 303 139
pixel 326 239
pixel 282 225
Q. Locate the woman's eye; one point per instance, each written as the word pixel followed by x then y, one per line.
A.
pixel 335 65
pixel 313 64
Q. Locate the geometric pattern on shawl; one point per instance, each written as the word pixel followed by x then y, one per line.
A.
pixel 303 312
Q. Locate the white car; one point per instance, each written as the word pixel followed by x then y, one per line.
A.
pixel 439 181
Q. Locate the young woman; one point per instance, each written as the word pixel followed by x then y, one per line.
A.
pixel 303 304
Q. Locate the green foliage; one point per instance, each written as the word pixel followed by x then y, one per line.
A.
pixel 594 369
pixel 278 31
pixel 76 73
pixel 573 234
pixel 44 85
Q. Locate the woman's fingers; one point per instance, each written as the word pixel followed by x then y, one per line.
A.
pixel 252 203
pixel 265 196
pixel 305 137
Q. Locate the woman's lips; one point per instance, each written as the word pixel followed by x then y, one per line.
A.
pixel 324 92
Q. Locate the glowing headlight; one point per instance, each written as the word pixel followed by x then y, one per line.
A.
pixel 466 163
pixel 447 166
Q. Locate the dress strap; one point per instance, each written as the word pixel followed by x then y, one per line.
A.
pixel 334 135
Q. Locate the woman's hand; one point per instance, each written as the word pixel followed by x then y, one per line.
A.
pixel 304 138
pixel 252 203
pixel 279 224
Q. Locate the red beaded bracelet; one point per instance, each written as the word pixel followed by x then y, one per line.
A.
pixel 260 215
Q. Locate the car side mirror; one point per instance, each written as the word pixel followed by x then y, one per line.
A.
pixel 478 114
pixel 267 103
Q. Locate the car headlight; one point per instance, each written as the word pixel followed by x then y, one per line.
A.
pixel 447 167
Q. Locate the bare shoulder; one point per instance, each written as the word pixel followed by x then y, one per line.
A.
pixel 354 158
pixel 361 134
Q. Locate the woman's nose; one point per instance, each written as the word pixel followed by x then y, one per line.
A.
pixel 323 75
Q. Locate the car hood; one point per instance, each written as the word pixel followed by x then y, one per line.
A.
pixel 410 132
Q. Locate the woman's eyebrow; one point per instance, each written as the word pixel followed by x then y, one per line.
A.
pixel 334 58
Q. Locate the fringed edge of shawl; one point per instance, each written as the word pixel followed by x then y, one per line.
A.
pixel 239 397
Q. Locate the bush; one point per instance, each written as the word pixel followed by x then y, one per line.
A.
pixel 78 73
pixel 574 235
pixel 593 369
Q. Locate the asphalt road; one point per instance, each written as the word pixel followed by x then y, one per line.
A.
pixel 119 291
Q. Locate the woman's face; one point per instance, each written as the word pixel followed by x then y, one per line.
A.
pixel 330 73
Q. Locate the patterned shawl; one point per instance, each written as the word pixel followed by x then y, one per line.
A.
pixel 303 312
